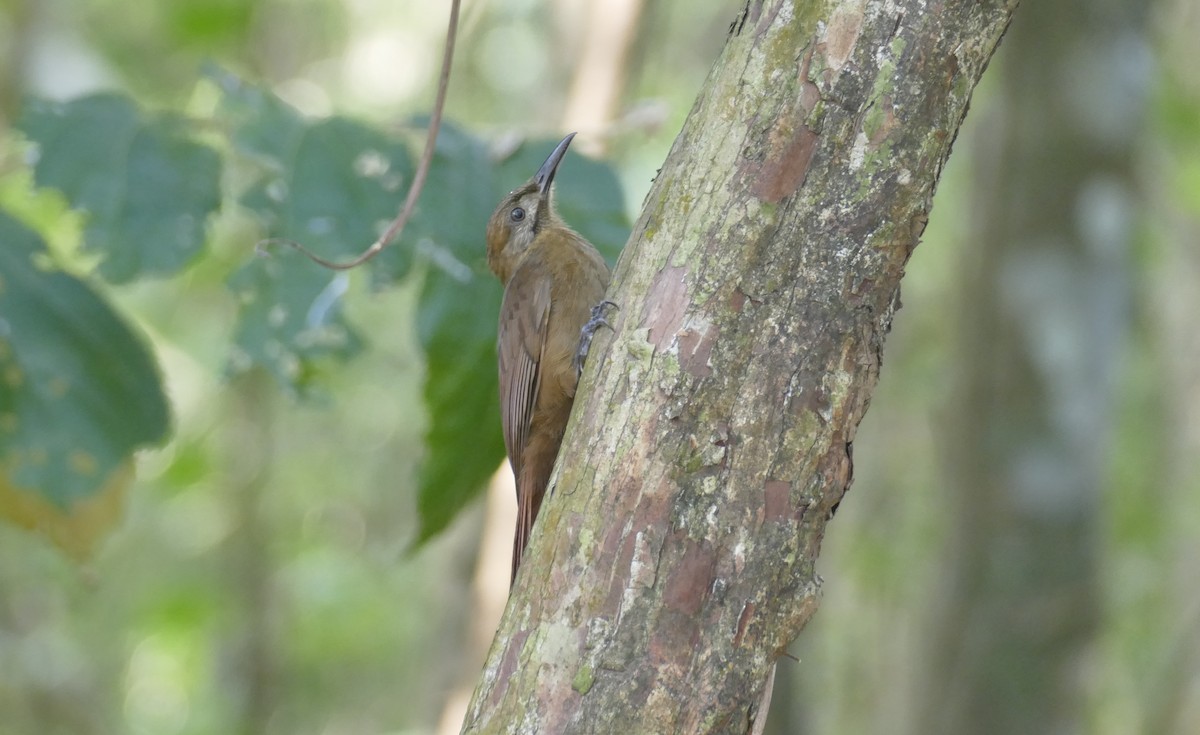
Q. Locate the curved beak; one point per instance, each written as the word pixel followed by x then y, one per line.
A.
pixel 545 174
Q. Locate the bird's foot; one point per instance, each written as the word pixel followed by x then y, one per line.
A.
pixel 589 330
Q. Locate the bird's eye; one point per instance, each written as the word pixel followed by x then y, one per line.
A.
pixel 517 214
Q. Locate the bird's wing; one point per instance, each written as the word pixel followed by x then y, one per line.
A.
pixel 524 316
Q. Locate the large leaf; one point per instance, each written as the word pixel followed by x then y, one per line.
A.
pixel 329 185
pixel 290 316
pixel 339 184
pixel 456 321
pixel 146 186
pixel 459 193
pixel 259 123
pixel 457 324
pixel 78 394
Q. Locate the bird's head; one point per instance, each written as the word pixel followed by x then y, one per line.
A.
pixel 521 215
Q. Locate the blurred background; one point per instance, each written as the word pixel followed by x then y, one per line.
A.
pixel 1020 551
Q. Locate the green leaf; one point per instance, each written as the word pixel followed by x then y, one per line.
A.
pixel 289 317
pixel 456 323
pixel 334 186
pixel 78 390
pixel 330 185
pixel 447 226
pixel 460 304
pixel 340 184
pixel 464 445
pixel 147 187
pixel 259 124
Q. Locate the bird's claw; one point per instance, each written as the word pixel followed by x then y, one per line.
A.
pixel 589 330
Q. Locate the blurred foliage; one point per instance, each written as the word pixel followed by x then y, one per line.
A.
pixel 146 188
pixel 78 394
pixel 1178 120
pixel 332 184
pixel 259 580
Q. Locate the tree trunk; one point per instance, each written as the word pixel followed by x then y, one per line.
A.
pixel 1043 325
pixel 712 438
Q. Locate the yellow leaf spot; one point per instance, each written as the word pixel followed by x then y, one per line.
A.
pixel 9 423
pixel 82 462
pixel 5 350
pixel 13 376
pixel 77 529
pixel 37 456
pixel 58 387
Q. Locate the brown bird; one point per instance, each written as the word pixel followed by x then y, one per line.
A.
pixel 554 283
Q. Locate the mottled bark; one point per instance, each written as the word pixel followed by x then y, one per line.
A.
pixel 712 438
